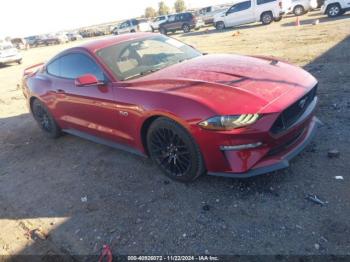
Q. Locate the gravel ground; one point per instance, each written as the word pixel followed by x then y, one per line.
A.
pixel 79 195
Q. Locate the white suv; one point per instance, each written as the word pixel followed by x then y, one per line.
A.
pixel 298 7
pixel 335 8
pixel 9 53
pixel 132 26
pixel 157 21
pixel 250 11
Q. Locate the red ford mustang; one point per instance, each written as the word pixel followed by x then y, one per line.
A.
pixel 227 115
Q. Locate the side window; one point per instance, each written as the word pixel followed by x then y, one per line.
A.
pixel 178 18
pixel 260 2
pixel 75 65
pixel 171 18
pixel 188 16
pixel 231 10
pixel 125 24
pixel 240 7
pixel 54 67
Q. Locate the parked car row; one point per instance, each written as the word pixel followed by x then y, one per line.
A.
pixel 267 11
pixel 51 39
pixel 164 24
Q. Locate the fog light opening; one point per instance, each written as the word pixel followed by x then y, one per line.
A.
pixel 240 147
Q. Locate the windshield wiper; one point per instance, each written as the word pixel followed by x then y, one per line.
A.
pixel 152 70
pixel 143 73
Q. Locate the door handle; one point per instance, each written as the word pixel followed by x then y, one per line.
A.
pixel 60 91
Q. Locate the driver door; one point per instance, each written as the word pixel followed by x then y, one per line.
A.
pixel 239 14
pixel 87 109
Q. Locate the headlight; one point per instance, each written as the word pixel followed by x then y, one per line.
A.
pixel 229 122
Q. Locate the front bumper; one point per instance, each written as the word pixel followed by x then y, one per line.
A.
pixel 10 59
pixel 280 160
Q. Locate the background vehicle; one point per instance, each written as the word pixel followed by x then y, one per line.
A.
pixel 157 21
pixel 9 53
pixel 182 21
pixel 62 38
pixel 250 11
pixel 208 13
pixel 19 43
pixel 31 40
pixel 74 36
pixel 334 8
pixel 132 26
pixel 298 7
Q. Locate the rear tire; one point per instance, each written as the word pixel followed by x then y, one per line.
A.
pixel 186 28
pixel 163 31
pixel 174 150
pixel 298 10
pixel 266 18
pixel 220 25
pixel 277 19
pixel 45 120
pixel 334 10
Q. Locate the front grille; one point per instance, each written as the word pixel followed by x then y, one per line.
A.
pixel 290 115
pixel 280 148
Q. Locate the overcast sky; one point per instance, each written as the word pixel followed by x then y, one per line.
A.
pixel 24 18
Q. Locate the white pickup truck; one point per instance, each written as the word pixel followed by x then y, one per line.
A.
pixel 250 11
pixel 334 8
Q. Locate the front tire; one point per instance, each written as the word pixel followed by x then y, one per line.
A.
pixel 298 10
pixel 220 25
pixel 174 150
pixel 163 31
pixel 267 18
pixel 45 120
pixel 277 19
pixel 333 10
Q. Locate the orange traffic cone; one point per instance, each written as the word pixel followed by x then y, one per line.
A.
pixel 297 22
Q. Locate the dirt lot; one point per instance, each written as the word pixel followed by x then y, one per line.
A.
pixel 80 195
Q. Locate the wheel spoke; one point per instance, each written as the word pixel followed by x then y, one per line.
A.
pixel 170 151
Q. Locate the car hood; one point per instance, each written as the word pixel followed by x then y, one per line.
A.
pixel 232 83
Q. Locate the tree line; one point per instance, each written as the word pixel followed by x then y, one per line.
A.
pixel 163 9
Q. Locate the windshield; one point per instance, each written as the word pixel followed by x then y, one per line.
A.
pixel 139 57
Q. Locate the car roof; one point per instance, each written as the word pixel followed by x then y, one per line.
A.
pixel 96 45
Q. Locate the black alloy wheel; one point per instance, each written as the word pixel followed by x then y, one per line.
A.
pixel 45 120
pixel 173 149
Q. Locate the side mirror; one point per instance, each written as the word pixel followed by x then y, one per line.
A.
pixel 87 80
